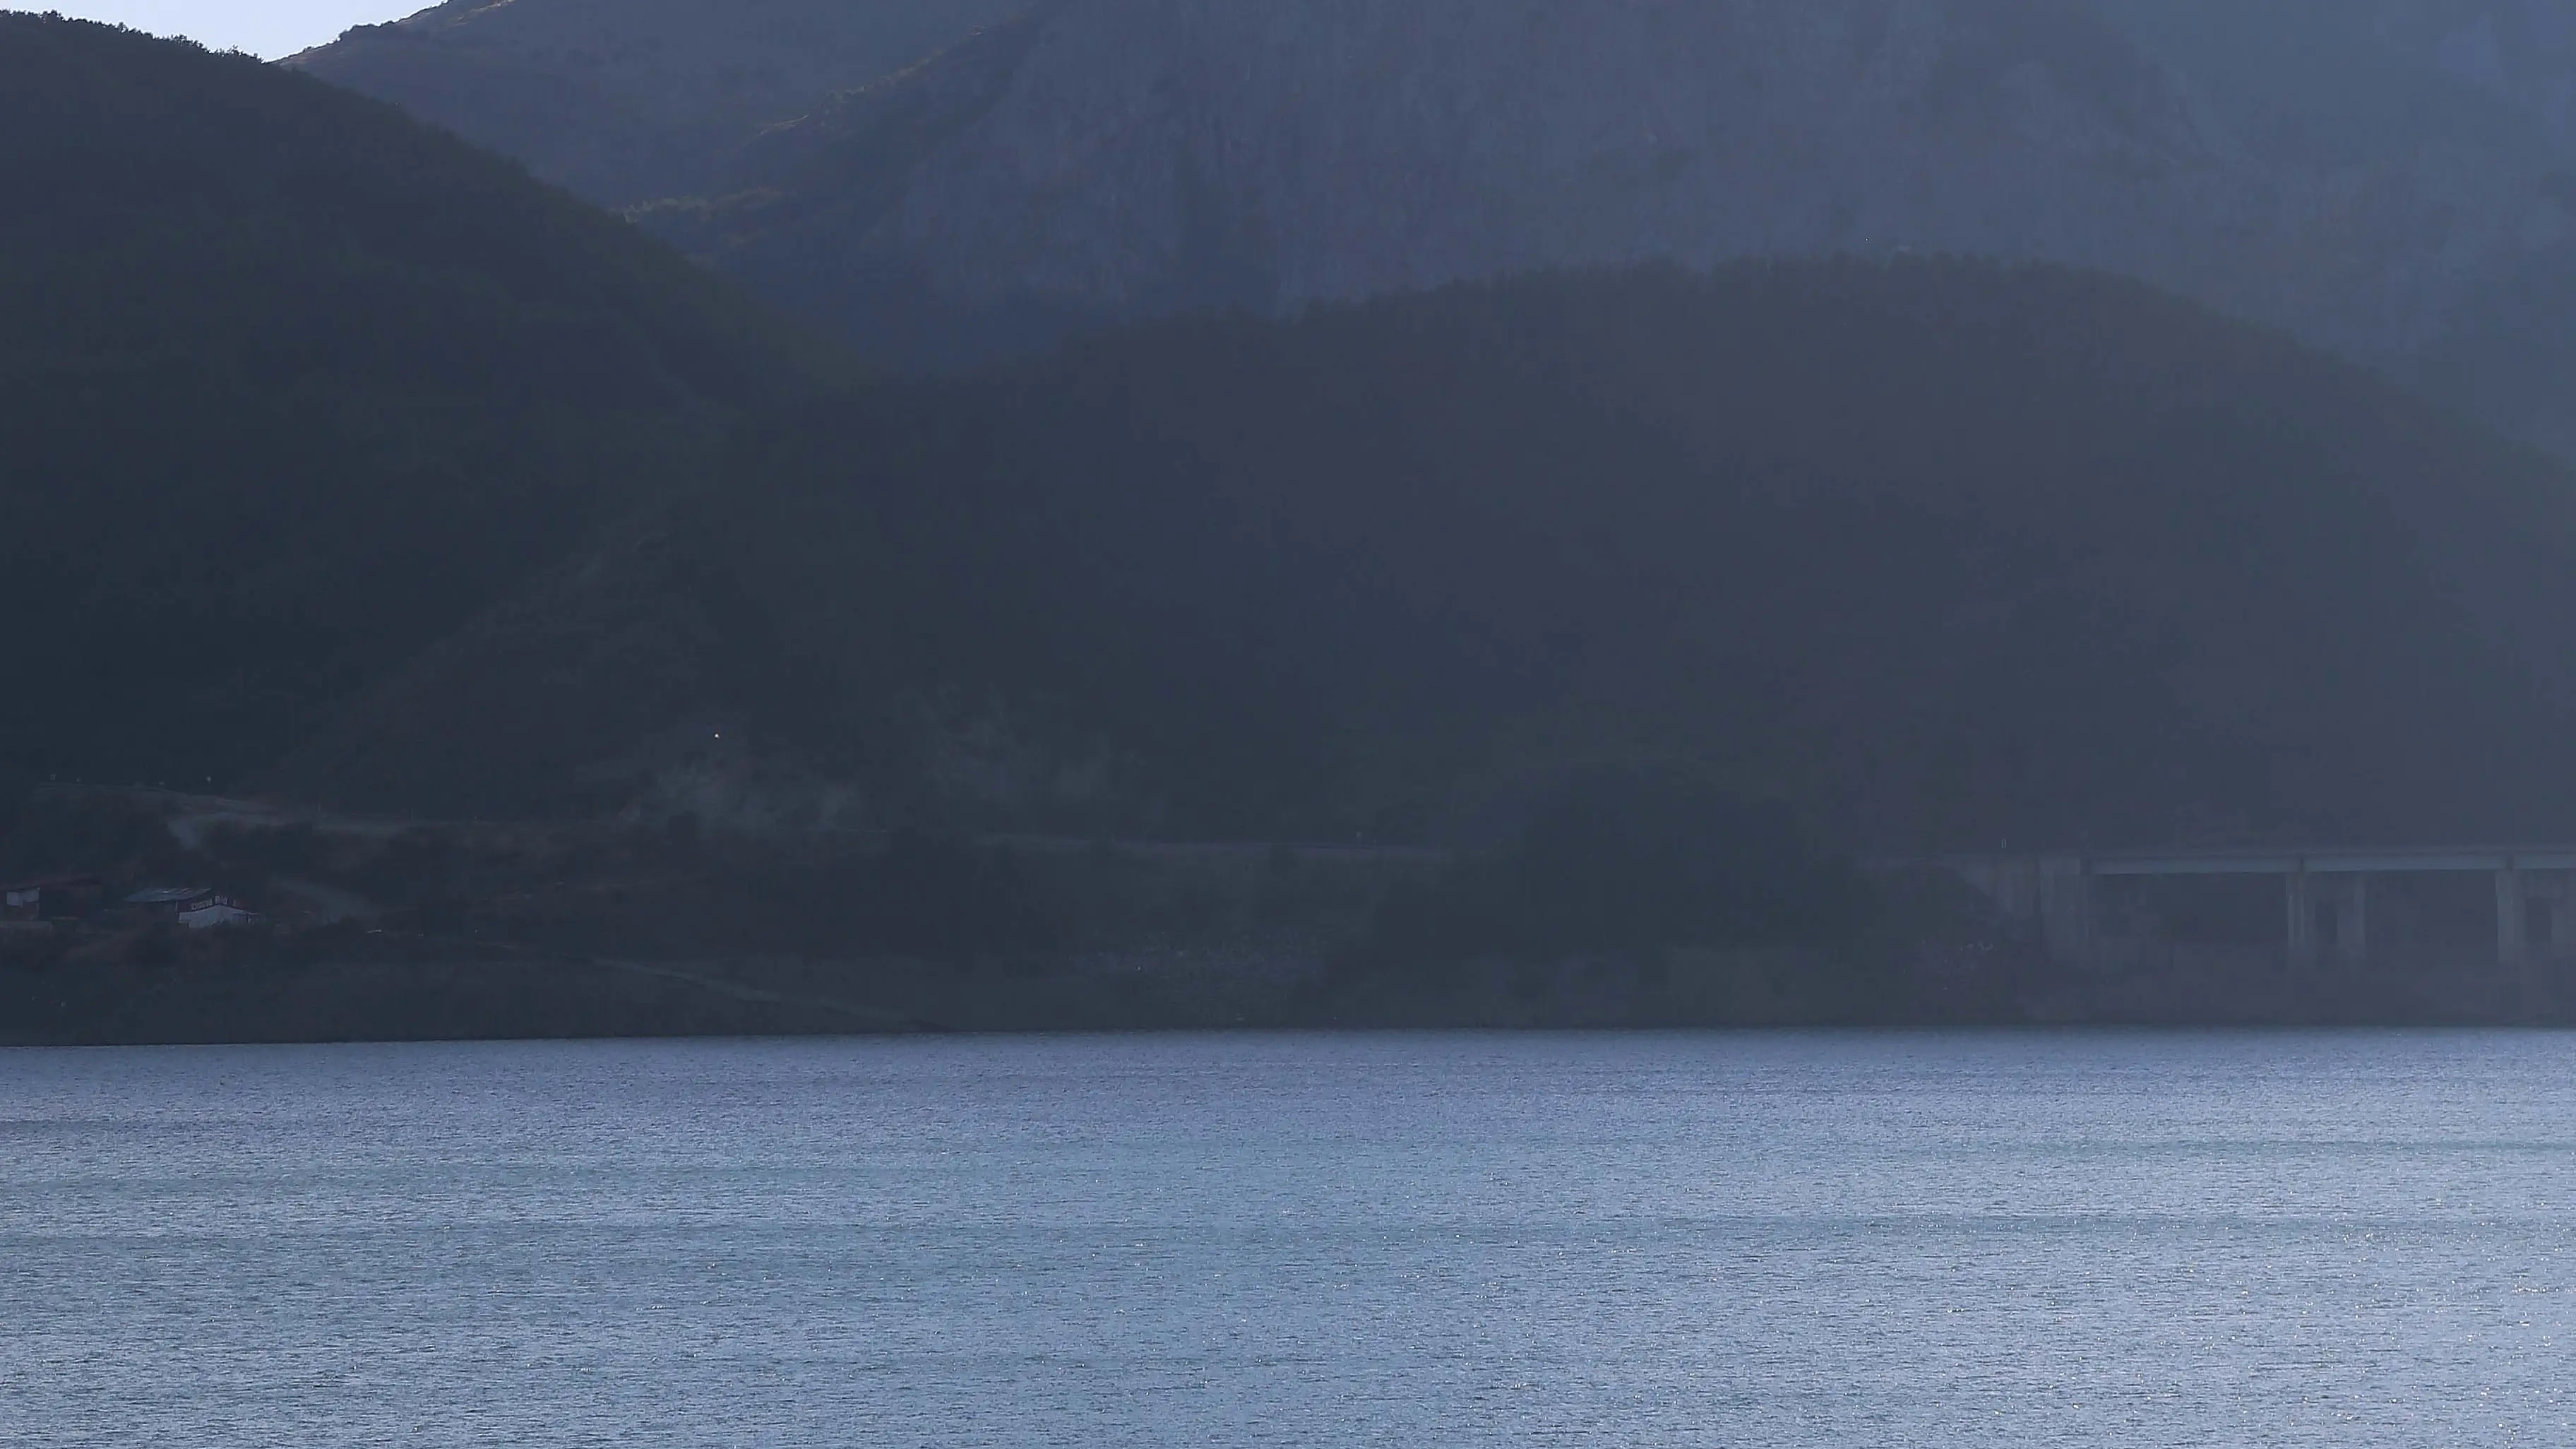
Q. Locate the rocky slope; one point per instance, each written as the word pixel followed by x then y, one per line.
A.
pixel 1126 157
pixel 2429 146
pixel 2369 182
pixel 629 100
pixel 2520 52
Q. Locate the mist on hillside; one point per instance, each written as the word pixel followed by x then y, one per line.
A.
pixel 985 487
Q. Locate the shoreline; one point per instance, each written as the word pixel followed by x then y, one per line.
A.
pixel 568 999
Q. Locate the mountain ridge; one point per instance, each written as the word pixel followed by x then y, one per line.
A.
pixel 2386 179
pixel 1142 156
pixel 636 100
pixel 1123 160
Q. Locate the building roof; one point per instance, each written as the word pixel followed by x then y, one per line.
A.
pixel 168 895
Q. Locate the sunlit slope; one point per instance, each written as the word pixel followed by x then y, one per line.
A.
pixel 291 385
pixel 1942 553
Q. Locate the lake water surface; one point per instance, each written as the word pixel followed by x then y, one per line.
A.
pixel 1416 1241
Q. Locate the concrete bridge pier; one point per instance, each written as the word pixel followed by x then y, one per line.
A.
pixel 2516 889
pixel 2328 889
pixel 2513 919
pixel 2301 898
pixel 2347 897
pixel 2350 898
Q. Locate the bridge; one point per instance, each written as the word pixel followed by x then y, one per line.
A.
pixel 2325 893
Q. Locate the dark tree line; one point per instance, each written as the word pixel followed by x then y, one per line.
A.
pixel 1943 553
pixel 290 386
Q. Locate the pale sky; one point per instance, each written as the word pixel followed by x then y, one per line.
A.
pixel 263 27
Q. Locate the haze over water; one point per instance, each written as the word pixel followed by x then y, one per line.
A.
pixel 2151 1240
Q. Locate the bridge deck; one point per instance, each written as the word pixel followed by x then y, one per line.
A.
pixel 2326 891
pixel 2336 860
pixel 2330 862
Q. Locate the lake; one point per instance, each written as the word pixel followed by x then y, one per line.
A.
pixel 1325 1240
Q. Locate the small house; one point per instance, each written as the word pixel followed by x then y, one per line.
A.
pixel 195 907
pixel 218 911
pixel 168 901
pixel 52 898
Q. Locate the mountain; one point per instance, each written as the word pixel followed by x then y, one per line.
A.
pixel 1937 552
pixel 1115 159
pixel 2364 181
pixel 628 101
pixel 292 385
pixel 2440 138
pixel 2394 180
pixel 339 456
pixel 2374 75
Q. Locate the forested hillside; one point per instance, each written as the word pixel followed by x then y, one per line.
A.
pixel 1938 553
pixel 291 385
pixel 341 458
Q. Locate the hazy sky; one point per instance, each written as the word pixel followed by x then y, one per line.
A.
pixel 262 27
